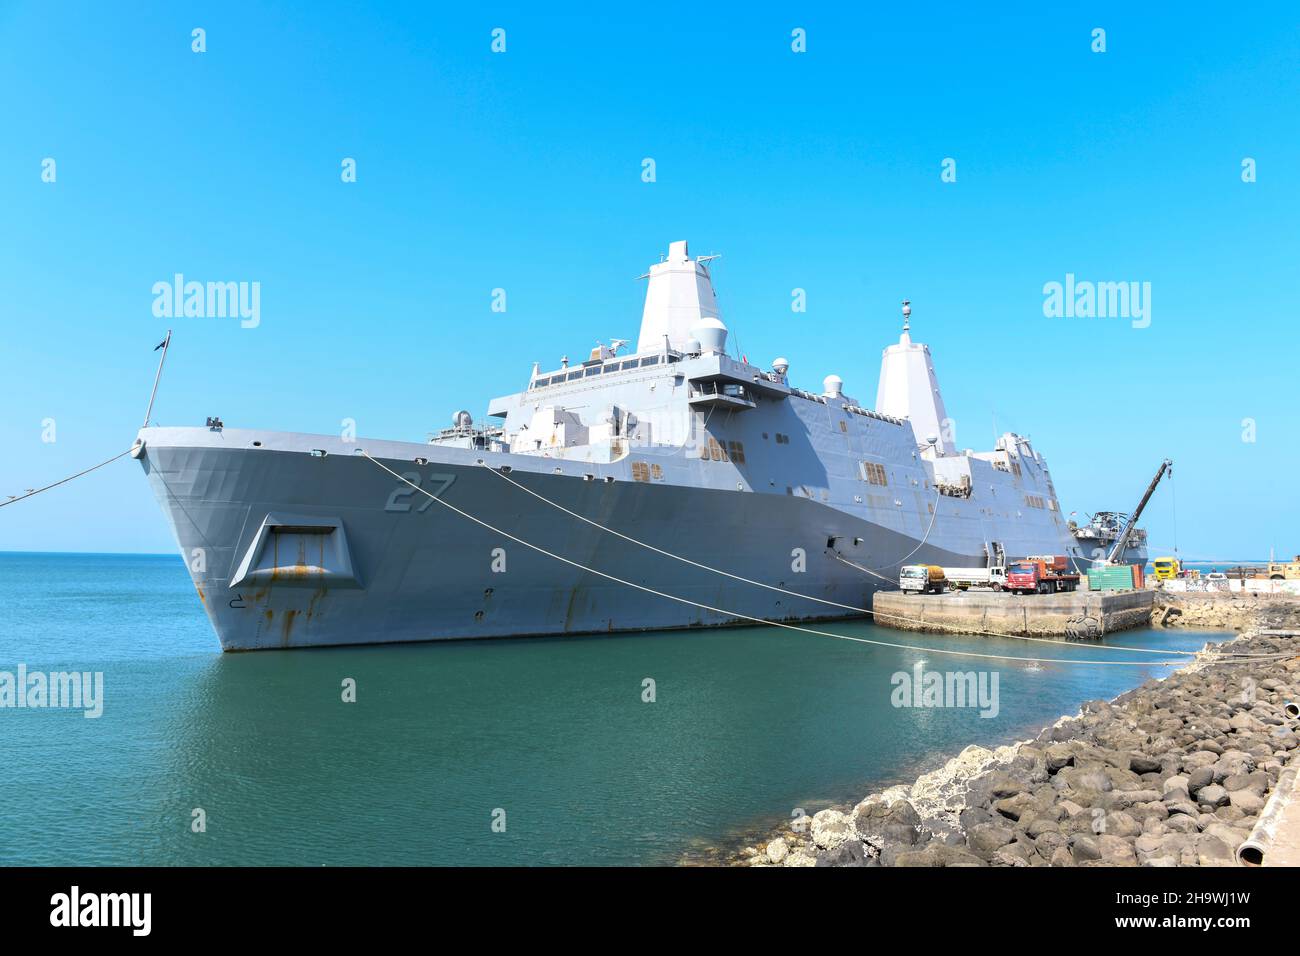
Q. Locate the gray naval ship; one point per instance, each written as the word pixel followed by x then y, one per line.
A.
pixel 701 478
pixel 1097 538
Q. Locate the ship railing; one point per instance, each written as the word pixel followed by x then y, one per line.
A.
pixel 872 413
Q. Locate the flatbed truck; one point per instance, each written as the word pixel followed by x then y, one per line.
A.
pixel 1041 575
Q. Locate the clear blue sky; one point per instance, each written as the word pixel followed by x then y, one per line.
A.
pixel 522 171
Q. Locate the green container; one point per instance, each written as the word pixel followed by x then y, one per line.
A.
pixel 1116 578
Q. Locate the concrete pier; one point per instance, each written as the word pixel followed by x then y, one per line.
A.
pixel 1081 614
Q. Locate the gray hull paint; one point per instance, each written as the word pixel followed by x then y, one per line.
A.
pixel 1095 552
pixel 422 572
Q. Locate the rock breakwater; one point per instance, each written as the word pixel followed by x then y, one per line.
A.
pixel 1225 610
pixel 1172 773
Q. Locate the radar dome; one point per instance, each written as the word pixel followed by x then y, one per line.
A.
pixel 833 386
pixel 462 419
pixel 710 333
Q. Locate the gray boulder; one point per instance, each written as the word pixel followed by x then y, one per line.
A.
pixel 987 838
pixel 1212 796
pixel 1058 756
pixel 999 785
pixel 900 834
pixel 1211 851
pixel 1122 824
pixel 1083 848
pixel 1013 808
pixel 936 854
pixel 1116 851
pixel 849 853
pixel 1141 763
pixel 1201 777
pixel 1233 762
pixel 1247 801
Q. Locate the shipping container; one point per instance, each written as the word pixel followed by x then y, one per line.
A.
pixel 1110 578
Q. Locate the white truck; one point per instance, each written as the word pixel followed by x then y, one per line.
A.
pixel 965 578
pixel 922 579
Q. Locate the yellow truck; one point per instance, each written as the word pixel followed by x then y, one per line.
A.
pixel 1284 570
pixel 1166 568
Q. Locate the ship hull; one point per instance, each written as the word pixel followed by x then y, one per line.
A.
pixel 288 549
pixel 1094 551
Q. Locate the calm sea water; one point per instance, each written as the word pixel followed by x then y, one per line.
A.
pixel 748 724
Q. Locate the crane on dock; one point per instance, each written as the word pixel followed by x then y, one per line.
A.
pixel 1166 468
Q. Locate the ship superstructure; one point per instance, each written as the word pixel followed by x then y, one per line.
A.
pixel 678 445
pixel 1097 538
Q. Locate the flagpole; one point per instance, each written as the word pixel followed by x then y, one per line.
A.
pixel 157 377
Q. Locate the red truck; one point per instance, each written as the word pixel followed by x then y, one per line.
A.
pixel 1041 574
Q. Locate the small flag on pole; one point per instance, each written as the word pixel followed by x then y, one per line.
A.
pixel 160 345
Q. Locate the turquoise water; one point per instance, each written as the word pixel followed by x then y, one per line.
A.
pixel 748 724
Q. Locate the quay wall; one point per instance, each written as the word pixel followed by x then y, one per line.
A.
pixel 1081 614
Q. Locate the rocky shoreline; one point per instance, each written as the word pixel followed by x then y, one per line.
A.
pixel 1172 773
pixel 1225 610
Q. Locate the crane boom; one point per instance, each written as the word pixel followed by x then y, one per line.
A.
pixel 1166 467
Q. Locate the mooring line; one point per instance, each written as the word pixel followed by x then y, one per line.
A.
pixel 843 560
pixel 809 597
pixel 759 620
pixel 14 499
pixel 934 514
